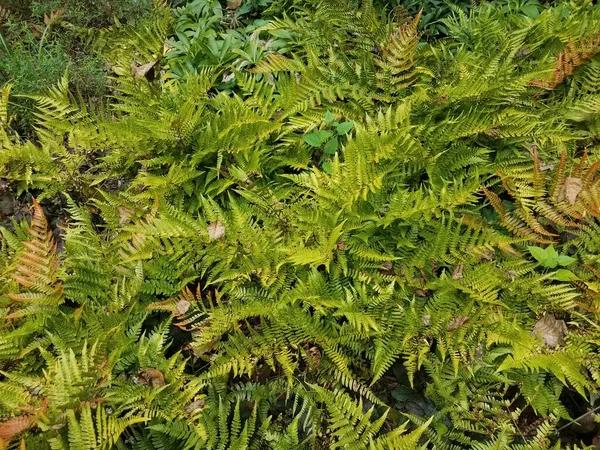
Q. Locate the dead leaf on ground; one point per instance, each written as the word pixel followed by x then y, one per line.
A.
pixel 141 71
pixel 570 190
pixel 152 376
pixel 125 214
pixel 216 230
pixel 183 306
pixel 457 274
pixel 457 322
pixel 53 16
pixel 553 331
pixel 194 406
pixel 234 4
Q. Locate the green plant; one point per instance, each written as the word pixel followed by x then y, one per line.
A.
pixel 218 281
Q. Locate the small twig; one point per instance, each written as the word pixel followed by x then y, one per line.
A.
pixel 578 418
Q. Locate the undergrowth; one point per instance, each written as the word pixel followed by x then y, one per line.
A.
pixel 306 225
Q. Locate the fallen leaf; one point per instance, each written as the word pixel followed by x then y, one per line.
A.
pixel 228 77
pixel 167 48
pixel 570 190
pixel 124 214
pixel 15 426
pixel 216 230
pixel 457 274
pixel 553 331
pixel 457 322
pixel 194 406
pixel 183 306
pixel 53 16
pixel 141 71
pixel 426 319
pixel 234 4
pixel 152 376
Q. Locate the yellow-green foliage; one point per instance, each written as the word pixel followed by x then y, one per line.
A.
pixel 217 281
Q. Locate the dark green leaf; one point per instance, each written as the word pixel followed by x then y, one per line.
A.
pixel 564 260
pixel 344 127
pixel 313 139
pixel 324 135
pixel 531 11
pixel 331 146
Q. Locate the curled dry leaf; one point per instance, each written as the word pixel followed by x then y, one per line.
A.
pixel 234 4
pixel 151 376
pixel 457 322
pixel 124 214
pixel 457 274
pixel 141 71
pixel 553 331
pixel 194 406
pixel 216 230
pixel 570 190
pixel 183 306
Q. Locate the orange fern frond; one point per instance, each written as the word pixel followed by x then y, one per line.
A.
pixel 569 58
pixel 37 269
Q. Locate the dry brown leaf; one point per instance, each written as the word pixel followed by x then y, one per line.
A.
pixel 183 306
pixel 553 331
pixel 141 71
pixel 194 406
pixel 457 322
pixel 152 376
pixel 234 4
pixel 216 230
pixel 15 426
pixel 570 190
pixel 53 16
pixel 167 48
pixel 4 13
pixel 457 274
pixel 124 214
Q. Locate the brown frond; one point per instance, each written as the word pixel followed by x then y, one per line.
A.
pixel 569 58
pixel 37 268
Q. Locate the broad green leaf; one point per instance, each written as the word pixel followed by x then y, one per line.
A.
pixel 401 393
pixel 344 127
pixel 313 139
pixel 331 146
pixel 329 117
pixel 551 252
pixel 550 263
pixel 565 275
pixel 564 260
pixel 327 167
pixel 531 11
pixel 323 135
pixel 538 253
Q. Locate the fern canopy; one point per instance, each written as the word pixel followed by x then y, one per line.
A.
pixel 311 230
